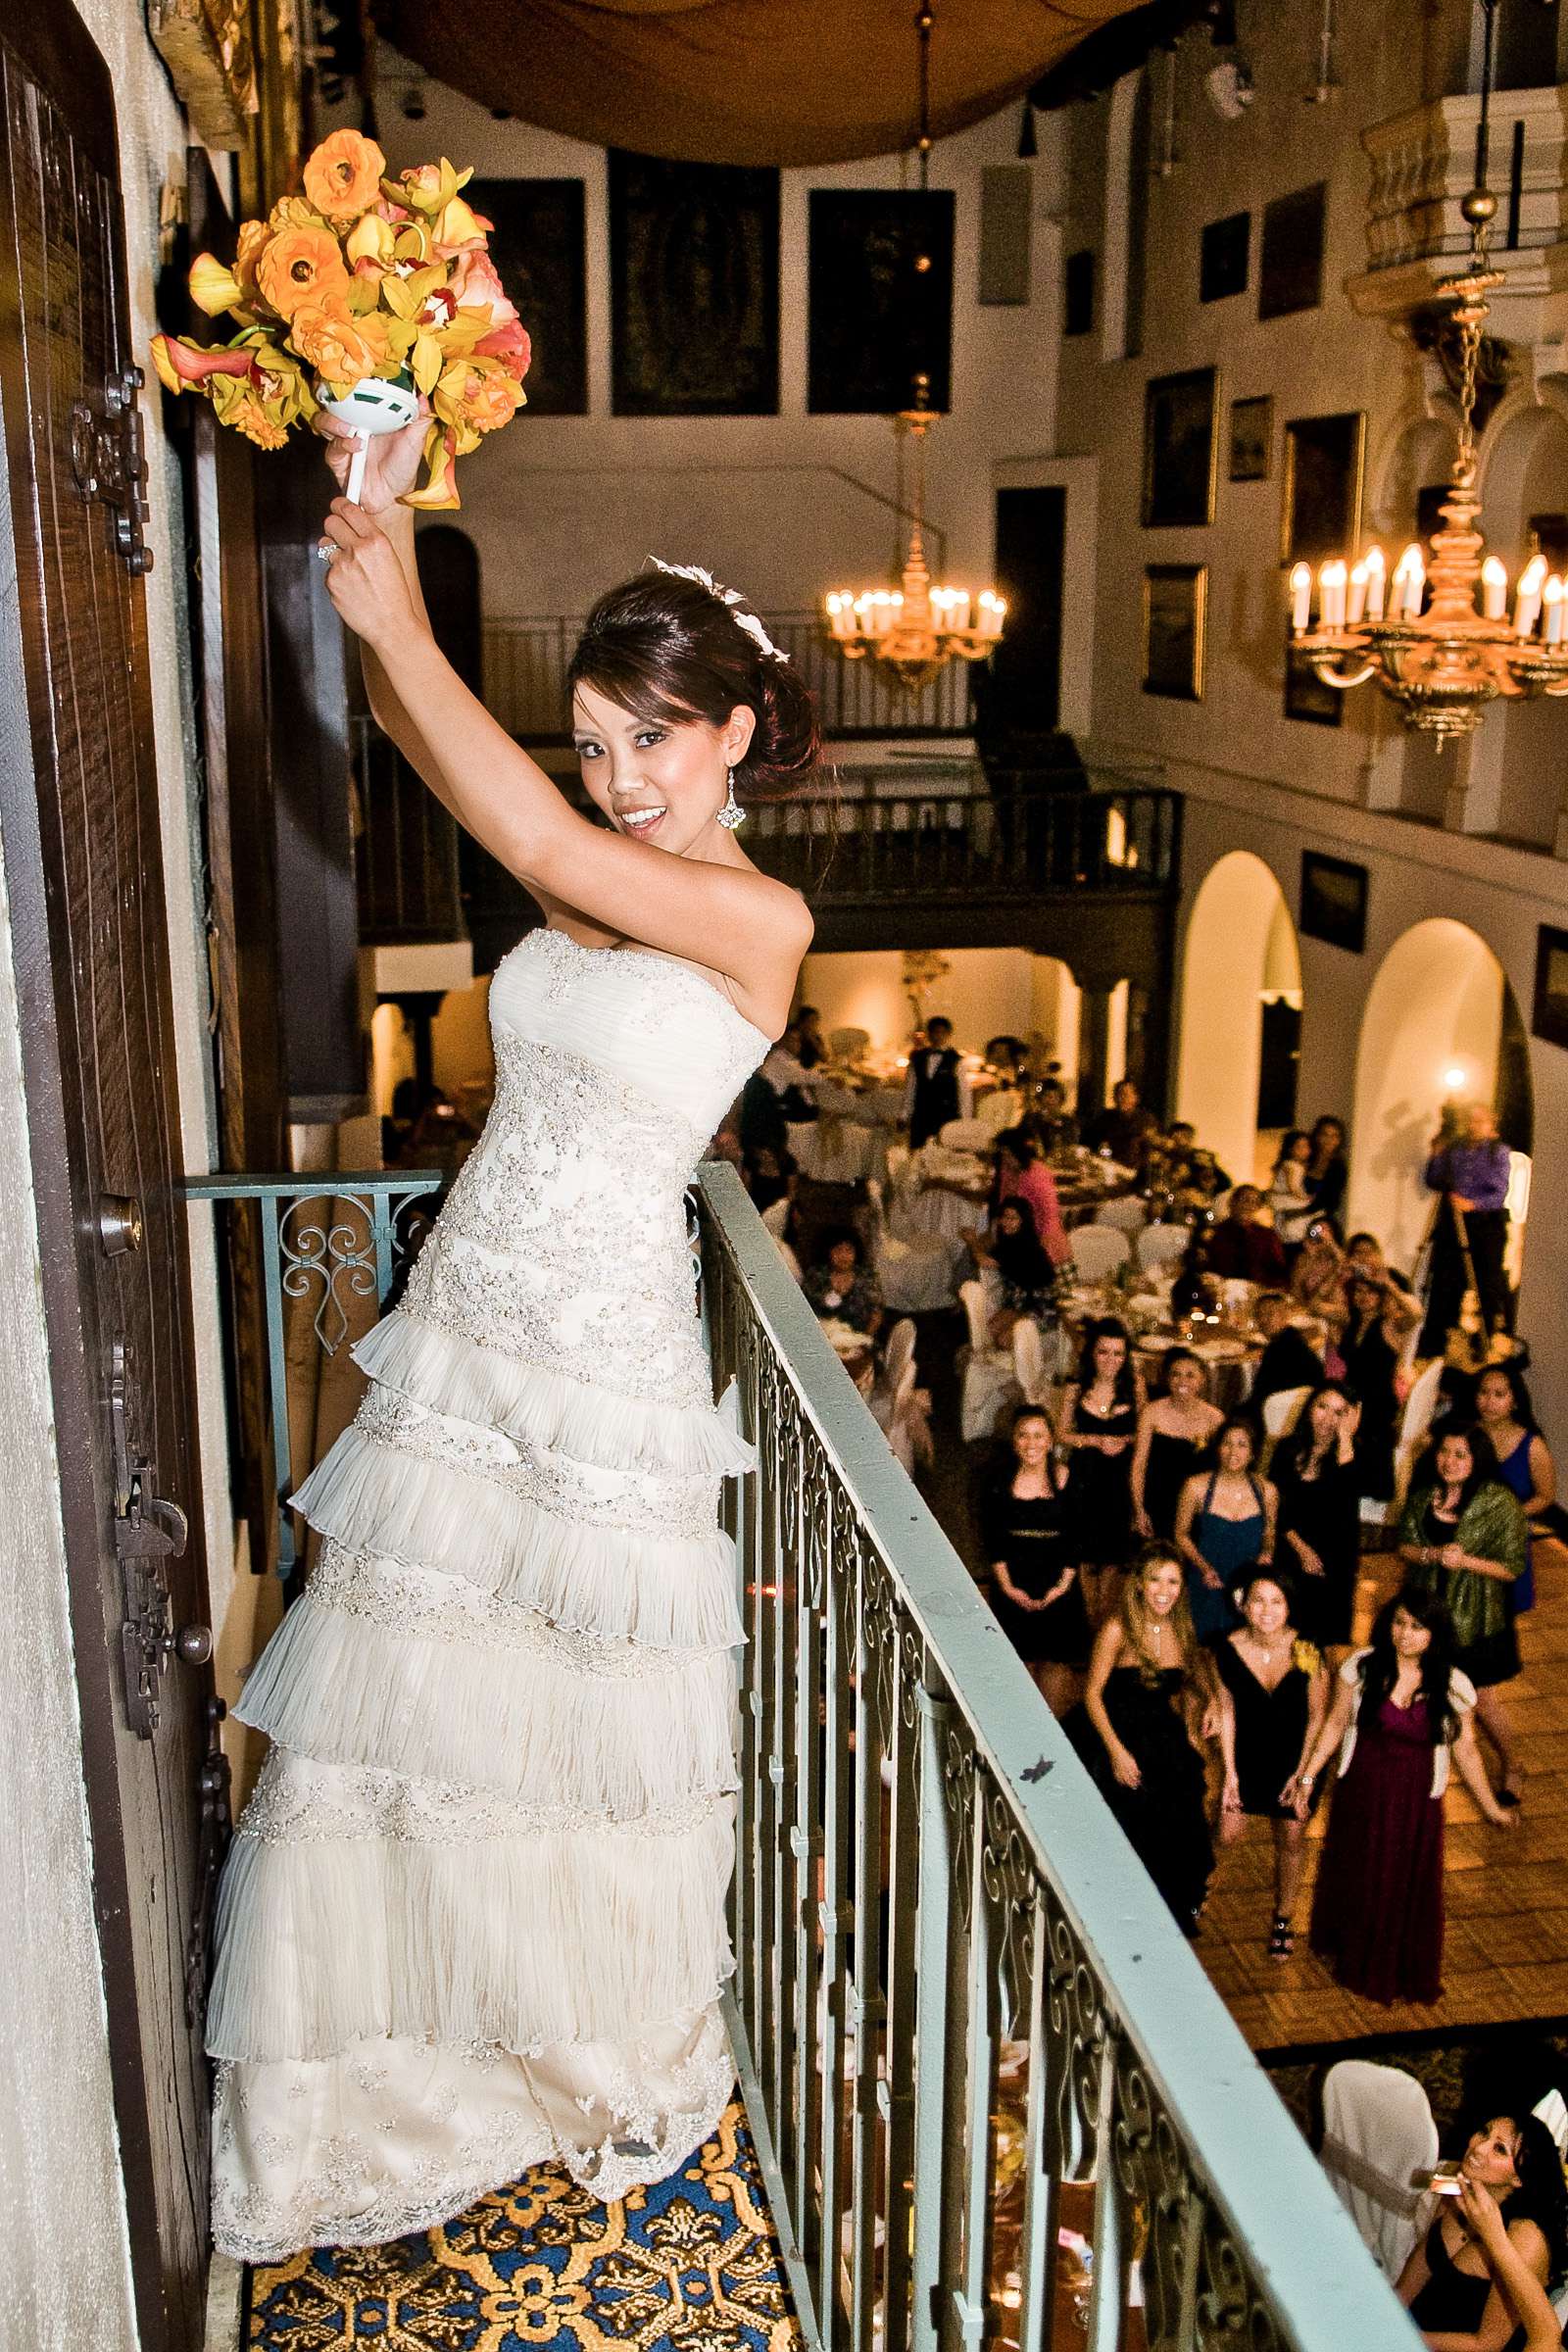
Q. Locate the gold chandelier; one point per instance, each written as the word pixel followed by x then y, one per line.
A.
pixel 1444 661
pixel 914 628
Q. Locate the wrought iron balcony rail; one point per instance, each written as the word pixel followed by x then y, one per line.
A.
pixel 926 1872
pixel 525 682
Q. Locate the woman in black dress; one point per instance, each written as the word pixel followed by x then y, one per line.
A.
pixel 1318 1532
pixel 1174 1430
pixel 1036 1593
pixel 1279 1695
pixel 1150 1713
pixel 1328 1171
pixel 1370 1349
pixel 1448 2284
pixel 1100 1424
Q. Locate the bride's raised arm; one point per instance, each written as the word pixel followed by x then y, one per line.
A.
pixel 711 907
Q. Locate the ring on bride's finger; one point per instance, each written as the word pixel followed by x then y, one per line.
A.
pixel 326 549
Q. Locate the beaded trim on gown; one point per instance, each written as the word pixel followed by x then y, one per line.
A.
pixel 473 1915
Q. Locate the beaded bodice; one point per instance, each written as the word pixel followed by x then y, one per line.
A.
pixel 563 1240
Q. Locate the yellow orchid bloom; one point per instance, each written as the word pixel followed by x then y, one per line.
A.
pixel 440 489
pixel 426 359
pixel 214 288
pixel 372 244
pixel 457 228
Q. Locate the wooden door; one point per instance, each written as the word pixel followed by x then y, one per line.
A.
pixel 81 835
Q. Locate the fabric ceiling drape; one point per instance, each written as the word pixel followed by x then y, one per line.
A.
pixel 738 81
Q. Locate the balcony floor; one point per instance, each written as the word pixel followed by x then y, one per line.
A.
pixel 692 2261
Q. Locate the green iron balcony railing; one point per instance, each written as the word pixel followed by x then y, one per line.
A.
pixel 925 1872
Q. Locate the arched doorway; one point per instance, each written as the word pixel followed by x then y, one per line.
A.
pixel 1441 1025
pixel 1241 1012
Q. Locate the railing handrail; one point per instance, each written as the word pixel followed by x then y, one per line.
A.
pixel 1307 2265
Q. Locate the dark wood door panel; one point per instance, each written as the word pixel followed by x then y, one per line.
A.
pixel 81 826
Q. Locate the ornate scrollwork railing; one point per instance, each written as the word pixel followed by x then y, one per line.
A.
pixel 331 1239
pixel 963 2017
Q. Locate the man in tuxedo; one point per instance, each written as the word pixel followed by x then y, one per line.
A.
pixel 936 1089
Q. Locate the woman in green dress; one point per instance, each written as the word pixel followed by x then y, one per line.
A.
pixel 1464 1540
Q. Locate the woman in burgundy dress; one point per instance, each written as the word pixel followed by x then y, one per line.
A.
pixel 1401 1711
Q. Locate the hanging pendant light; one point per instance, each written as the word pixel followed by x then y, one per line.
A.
pixel 913 629
pixel 1442 661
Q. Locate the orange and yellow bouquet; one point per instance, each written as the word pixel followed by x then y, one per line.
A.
pixel 360 296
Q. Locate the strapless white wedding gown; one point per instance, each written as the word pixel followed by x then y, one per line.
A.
pixel 473 1915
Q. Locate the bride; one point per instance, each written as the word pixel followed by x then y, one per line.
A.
pixel 473 1915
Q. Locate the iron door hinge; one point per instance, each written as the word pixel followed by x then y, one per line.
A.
pixel 149 1531
pixel 109 461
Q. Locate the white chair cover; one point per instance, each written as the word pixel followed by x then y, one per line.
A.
pixel 1098 1250
pixel 1035 1366
pixel 899 1350
pixel 967 1134
pixel 1002 1107
pixel 1161 1246
pixel 1281 1409
pixel 776 1217
pixel 1419 1408
pixel 848 1045
pixel 1129 1215
pixel 1379 2140
pixel 988 1380
pixel 916 1274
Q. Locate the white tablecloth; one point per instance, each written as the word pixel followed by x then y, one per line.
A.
pixel 837 1151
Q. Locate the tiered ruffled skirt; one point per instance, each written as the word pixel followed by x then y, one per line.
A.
pixel 473 1916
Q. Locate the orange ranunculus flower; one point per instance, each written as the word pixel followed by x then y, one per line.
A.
pixel 302 266
pixel 476 393
pixel 343 349
pixel 254 238
pixel 343 178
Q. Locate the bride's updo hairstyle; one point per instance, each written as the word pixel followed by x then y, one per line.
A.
pixel 668 649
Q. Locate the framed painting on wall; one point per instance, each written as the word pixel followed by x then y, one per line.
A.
pixel 1225 256
pixel 1320 505
pixel 1548 1018
pixel 693 288
pixel 537 244
pixel 1289 270
pixel 1251 438
pixel 1175 598
pixel 879 300
pixel 1078 292
pixel 1332 902
pixel 1179 446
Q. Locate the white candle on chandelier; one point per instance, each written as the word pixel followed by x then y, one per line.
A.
pixel 1376 582
pixel 961 609
pixel 1301 597
pixel 991 610
pixel 1551 606
pixel 1526 600
pixel 1358 604
pixel 1331 594
pixel 1493 590
pixel 1409 583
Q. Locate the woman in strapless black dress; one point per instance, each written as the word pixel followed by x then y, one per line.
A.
pixel 1175 1430
pixel 1279 1695
pixel 1317 1536
pixel 1035 1592
pixel 1447 2285
pixel 1151 1713
pixel 1100 1425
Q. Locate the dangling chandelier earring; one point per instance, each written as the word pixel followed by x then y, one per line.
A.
pixel 732 813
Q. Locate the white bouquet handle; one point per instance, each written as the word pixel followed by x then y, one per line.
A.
pixel 375 406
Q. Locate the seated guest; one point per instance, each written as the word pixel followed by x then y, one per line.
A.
pixel 1195 1287
pixel 1455 2289
pixel 1026 1279
pixel 840 1286
pixel 1291 1204
pixel 936 1089
pixel 769 1176
pixel 1316 1277
pixel 1240 1248
pixel 786 1073
pixel 1124 1130
pixel 813 1044
pixel 1289 1359
pixel 1186 1168
pixel 1050 1122
pixel 760 1121
pixel 1364 1251
pixel 1021 1175
pixel 1328 1171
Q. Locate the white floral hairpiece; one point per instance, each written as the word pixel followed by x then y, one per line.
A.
pixel 730 597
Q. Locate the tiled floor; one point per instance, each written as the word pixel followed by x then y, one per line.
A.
pixel 1506 1950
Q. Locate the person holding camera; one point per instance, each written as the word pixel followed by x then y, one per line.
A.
pixel 1469 1171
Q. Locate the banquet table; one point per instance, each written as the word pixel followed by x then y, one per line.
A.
pixel 943 1193
pixel 1224 1341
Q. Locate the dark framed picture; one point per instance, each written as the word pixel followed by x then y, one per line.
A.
pixel 879 300
pixel 1179 446
pixel 1251 438
pixel 1078 293
pixel 1320 505
pixel 1175 601
pixel 1289 270
pixel 693 288
pixel 1224 259
pixel 1550 1016
pixel 1306 694
pixel 537 244
pixel 1334 901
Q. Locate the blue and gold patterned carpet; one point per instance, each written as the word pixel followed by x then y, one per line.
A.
pixel 691 2263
